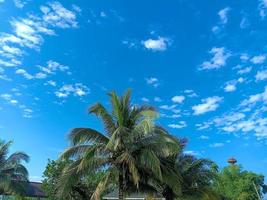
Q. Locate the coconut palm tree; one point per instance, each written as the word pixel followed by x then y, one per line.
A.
pixel 131 143
pixel 184 177
pixel 197 176
pixel 13 174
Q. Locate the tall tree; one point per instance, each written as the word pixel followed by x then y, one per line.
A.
pixel 184 177
pixel 13 174
pixel 234 183
pixel 131 143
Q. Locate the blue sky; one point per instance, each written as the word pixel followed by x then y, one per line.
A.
pixel 202 64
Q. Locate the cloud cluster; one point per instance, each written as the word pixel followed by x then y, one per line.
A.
pixel 152 81
pixel 51 68
pixel 209 104
pixel 76 89
pixel 248 117
pixel 220 56
pixel 29 32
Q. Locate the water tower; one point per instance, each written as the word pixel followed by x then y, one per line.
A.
pixel 232 161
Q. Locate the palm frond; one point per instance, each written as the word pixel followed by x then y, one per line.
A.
pixel 149 161
pixel 116 108
pixel 102 185
pixel 100 111
pixel 85 135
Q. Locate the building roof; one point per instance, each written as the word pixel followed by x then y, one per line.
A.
pixel 34 189
pixel 114 195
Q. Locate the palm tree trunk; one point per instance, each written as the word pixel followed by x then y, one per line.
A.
pixel 168 193
pixel 121 192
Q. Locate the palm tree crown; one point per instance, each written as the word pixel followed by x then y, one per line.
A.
pixel 13 174
pixel 131 144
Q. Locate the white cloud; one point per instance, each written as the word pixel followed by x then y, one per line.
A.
pixel 218 60
pixel 223 14
pixel 76 89
pixel 152 81
pixel 159 44
pixel 28 32
pixel 11 63
pixel 12 50
pixel 203 126
pixel 261 75
pixel 244 70
pixel 262 8
pixel 24 73
pixel 53 66
pixel 244 23
pixel 244 57
pixel 217 144
pixel 9 99
pixel 27 113
pixel 190 93
pixel 209 104
pixel 56 15
pixel 230 87
pixel 179 125
pixel 157 99
pixel 144 99
pixel 170 108
pixel 51 83
pixel 191 152
pixel 20 3
pixel 51 69
pixel 103 14
pixel 204 137
pixel 178 99
pixel 215 29
pixel 258 59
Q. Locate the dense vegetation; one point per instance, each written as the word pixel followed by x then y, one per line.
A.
pixel 133 154
pixel 13 174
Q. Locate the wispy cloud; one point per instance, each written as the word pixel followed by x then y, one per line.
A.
pixel 56 15
pixel 144 99
pixel 209 104
pixel 29 32
pixel 220 56
pixel 20 3
pixel 179 125
pixel 51 68
pixel 244 70
pixel 217 144
pixel 261 75
pixel 263 8
pixel 204 137
pixel 223 14
pixel 152 81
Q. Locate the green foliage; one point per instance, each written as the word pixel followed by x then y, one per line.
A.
pixel 14 175
pixel 233 183
pixel 83 189
pixel 131 145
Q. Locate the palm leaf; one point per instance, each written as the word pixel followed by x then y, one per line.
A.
pixel 85 135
